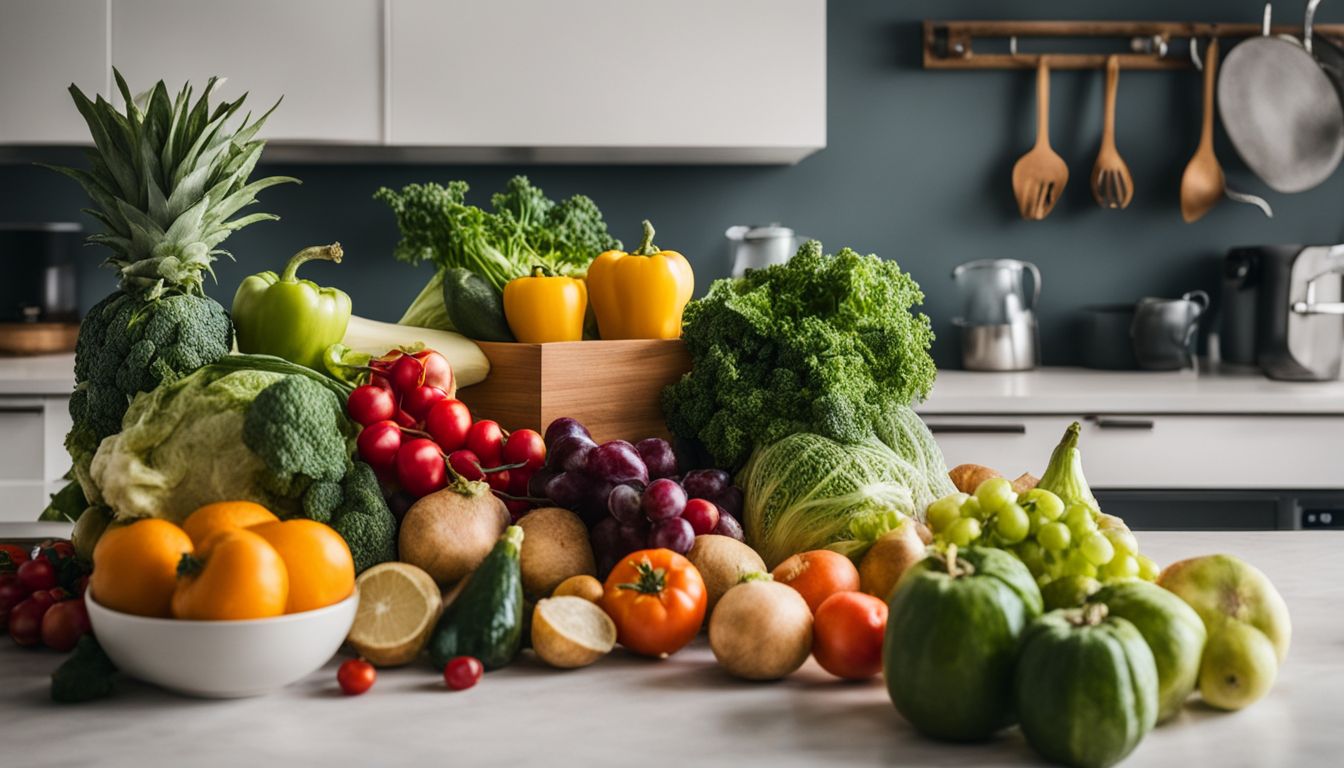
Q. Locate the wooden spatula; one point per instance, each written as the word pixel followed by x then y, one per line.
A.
pixel 1112 185
pixel 1040 175
pixel 1202 183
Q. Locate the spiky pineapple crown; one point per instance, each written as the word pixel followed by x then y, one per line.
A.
pixel 165 178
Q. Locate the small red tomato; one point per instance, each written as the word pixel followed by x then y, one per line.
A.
pixel 61 549
pixel 466 464
pixel 462 672
pixel 420 400
pixel 11 557
pixel 448 422
pixel 702 515
pixel 11 594
pixel 525 446
pixel 64 623
pixel 378 444
pixel 517 508
pixel 498 480
pixel 420 467
pixel 518 481
pixel 406 374
pixel 486 440
pixel 368 404
pixel 37 574
pixel 25 619
pixel 355 676
pixel 438 373
pixel 847 635
pixel 60 594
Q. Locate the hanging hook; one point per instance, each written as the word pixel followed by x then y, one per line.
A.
pixel 1265 25
pixel 1012 45
pixel 1307 23
pixel 1194 54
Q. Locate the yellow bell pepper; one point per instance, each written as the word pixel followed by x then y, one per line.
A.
pixel 544 307
pixel 640 294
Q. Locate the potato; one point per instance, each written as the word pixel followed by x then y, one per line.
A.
pixel 555 547
pixel 570 632
pixel 583 585
pixel 968 477
pixel 1025 482
pixel 448 533
pixel 762 630
pixel 722 562
pixel 886 561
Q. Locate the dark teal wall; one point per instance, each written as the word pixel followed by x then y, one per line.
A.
pixel 917 169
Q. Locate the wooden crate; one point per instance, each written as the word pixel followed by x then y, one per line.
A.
pixel 613 387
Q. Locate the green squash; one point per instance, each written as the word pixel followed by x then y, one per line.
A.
pixel 1174 633
pixel 486 619
pixel 952 638
pixel 1085 687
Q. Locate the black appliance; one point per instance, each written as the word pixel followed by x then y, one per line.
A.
pixel 40 283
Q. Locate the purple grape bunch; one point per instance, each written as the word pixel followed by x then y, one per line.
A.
pixel 634 496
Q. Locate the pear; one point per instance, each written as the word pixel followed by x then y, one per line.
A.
pixel 1219 586
pixel 1238 667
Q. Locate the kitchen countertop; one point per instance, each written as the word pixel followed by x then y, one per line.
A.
pixel 37 375
pixel 626 711
pixel 1086 391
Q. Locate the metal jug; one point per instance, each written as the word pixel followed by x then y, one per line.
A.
pixel 760 246
pixel 994 291
pixel 1163 331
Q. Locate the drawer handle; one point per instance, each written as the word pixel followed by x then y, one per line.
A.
pixel 1110 422
pixel 979 429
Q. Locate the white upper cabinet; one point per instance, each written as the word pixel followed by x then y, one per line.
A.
pixel 606 80
pixel 324 56
pixel 45 45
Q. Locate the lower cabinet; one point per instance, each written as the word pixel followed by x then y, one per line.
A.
pixel 33 460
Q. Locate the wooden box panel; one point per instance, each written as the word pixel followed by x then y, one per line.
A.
pixel 613 387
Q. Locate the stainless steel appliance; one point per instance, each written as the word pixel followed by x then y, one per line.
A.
pixel 1163 331
pixel 1287 304
pixel 760 246
pixel 38 265
pixel 998 318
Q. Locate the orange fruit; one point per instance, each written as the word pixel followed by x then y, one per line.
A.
pixel 321 569
pixel 135 567
pixel 223 516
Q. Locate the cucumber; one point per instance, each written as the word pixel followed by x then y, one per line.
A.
pixel 486 619
pixel 474 306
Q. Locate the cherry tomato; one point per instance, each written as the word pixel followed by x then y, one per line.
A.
pixel 420 467
pixel 847 635
pixel 11 594
pixel 60 594
pixel 498 480
pixel 406 374
pixel 448 423
pixel 420 400
pixel 368 404
pixel 61 549
pixel 64 623
pixel 25 619
pixel 438 373
pixel 355 676
pixel 702 515
pixel 378 444
pixel 518 481
pixel 37 574
pixel 462 672
pixel 466 464
pixel 486 440
pixel 11 557
pixel 525 446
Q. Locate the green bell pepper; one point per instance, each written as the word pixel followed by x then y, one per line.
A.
pixel 287 317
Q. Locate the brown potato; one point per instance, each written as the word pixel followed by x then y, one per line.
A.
pixel 722 562
pixel 889 557
pixel 448 533
pixel 968 477
pixel 555 547
pixel 762 630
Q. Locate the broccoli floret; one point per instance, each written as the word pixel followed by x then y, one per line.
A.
pixel 295 427
pixel 355 508
pixel 88 674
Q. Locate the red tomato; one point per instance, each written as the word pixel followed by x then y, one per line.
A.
pixel 420 467
pixel 466 464
pixel 847 635
pixel 378 444
pixel 37 574
pixel 11 594
pixel 486 440
pixel 438 373
pixel 25 619
pixel 525 446
pixel 64 623
pixel 368 404
pixel 462 672
pixel 420 400
pixel 448 422
pixel 498 480
pixel 11 557
pixel 355 676
pixel 518 481
pixel 61 549
pixel 817 575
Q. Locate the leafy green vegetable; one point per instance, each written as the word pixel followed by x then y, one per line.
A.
pixel 907 434
pixel 297 428
pixel 67 504
pixel 523 228
pixel 822 343
pixel 87 675
pixel 809 492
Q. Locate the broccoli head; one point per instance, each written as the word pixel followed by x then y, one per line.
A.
pixel 356 509
pixel 296 426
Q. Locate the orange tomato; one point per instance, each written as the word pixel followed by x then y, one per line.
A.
pixel 847 635
pixel 240 576
pixel 817 575
pixel 224 516
pixel 321 570
pixel 135 567
pixel 657 599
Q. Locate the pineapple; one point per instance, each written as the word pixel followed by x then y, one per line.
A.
pixel 166 179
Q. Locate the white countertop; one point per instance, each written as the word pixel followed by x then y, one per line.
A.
pixel 1085 391
pixel 37 375
pixel 626 711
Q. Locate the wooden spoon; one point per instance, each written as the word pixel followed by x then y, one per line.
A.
pixel 1040 175
pixel 1202 183
pixel 1112 185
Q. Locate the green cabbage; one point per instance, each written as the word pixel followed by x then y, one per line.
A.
pixel 808 492
pixel 907 434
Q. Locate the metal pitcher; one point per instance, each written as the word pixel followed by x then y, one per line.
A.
pixel 759 246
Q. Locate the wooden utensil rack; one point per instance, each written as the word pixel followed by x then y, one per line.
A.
pixel 950 44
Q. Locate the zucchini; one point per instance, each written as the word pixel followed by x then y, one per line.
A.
pixel 486 619
pixel 475 308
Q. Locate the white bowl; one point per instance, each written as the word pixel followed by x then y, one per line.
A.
pixel 222 659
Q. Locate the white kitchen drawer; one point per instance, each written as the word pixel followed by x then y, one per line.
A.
pixel 1134 451
pixel 22 501
pixel 21 440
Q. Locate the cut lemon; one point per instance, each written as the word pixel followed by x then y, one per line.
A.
pixel 398 605
pixel 569 632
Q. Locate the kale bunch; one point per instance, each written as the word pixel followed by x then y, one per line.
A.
pixel 823 343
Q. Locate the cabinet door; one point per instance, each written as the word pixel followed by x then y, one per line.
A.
pixel 323 56
pixel 675 75
pixel 44 47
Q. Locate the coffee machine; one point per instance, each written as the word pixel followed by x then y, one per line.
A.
pixel 1283 310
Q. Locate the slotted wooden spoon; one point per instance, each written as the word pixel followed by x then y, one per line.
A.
pixel 1040 175
pixel 1202 183
pixel 1112 185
